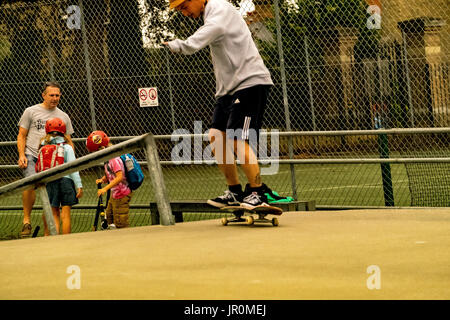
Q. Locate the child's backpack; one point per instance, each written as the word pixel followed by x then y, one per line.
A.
pixel 133 171
pixel 50 155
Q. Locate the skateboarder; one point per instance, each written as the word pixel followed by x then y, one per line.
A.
pixel 242 88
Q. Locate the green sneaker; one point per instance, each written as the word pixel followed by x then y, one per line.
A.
pixel 274 197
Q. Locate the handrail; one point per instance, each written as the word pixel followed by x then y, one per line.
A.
pixel 285 134
pixel 73 166
pixel 144 141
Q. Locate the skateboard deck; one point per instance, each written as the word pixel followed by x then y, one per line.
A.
pixel 100 212
pixel 244 214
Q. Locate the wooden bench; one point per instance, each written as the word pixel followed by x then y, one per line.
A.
pixel 187 206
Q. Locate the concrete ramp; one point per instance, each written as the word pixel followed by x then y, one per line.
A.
pixel 355 254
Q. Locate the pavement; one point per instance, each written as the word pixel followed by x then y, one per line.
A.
pixel 322 255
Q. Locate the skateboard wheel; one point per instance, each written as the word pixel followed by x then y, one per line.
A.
pixel 224 221
pixel 275 222
pixel 249 220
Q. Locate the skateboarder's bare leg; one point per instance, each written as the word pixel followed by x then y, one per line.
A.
pixel 224 155
pixel 249 162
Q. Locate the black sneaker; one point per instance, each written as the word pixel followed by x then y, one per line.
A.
pixel 227 199
pixel 254 197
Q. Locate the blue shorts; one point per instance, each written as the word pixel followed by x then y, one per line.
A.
pixel 62 192
pixel 30 169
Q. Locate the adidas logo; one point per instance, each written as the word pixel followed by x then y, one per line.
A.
pixel 237 101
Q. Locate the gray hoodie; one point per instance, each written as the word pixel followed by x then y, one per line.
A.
pixel 236 60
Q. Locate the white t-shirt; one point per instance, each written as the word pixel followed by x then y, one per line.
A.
pixel 33 119
pixel 236 60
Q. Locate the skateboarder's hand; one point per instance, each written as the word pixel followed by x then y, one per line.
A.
pixel 166 45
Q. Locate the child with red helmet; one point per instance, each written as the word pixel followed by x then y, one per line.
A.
pixel 65 192
pixel 118 207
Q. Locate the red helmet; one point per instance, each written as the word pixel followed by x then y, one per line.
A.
pixel 96 140
pixel 55 124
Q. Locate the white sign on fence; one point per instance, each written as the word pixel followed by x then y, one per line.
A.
pixel 148 97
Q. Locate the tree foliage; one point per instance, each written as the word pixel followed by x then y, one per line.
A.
pixel 311 19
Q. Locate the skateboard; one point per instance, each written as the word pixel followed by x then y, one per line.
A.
pixel 100 212
pixel 36 230
pixel 243 214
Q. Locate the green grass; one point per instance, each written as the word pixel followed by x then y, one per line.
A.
pixel 328 185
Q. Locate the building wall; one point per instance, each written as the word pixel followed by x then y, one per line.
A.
pixel 394 11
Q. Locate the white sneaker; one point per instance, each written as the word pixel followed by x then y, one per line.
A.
pixel 112 226
pixel 254 200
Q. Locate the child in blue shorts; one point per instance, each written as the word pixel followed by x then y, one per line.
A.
pixel 65 192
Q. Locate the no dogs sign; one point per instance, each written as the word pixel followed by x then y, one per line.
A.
pixel 148 97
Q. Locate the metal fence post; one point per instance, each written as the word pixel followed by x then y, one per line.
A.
pixel 408 80
pixel 386 171
pixel 87 61
pixel 48 214
pixel 383 140
pixel 310 88
pixel 169 75
pixel 285 97
pixel 159 187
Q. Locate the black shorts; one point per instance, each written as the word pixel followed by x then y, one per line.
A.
pixel 241 114
pixel 62 192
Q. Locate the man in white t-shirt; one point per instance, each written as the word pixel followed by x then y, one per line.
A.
pixel 31 131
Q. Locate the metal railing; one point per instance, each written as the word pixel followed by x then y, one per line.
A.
pixel 287 158
pixel 145 141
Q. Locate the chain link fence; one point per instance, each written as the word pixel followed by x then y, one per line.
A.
pixel 336 65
